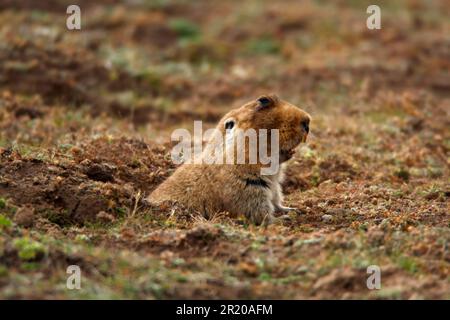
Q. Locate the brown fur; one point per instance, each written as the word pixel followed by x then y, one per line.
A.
pixel 223 187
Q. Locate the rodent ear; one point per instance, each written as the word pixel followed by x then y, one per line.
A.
pixel 266 101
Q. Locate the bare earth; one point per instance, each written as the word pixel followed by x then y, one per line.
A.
pixel 85 124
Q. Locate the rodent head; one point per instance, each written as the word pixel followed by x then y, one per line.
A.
pixel 270 112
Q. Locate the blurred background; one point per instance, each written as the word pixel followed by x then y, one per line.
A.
pixel 136 58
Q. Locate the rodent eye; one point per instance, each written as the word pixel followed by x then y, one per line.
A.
pixel 229 124
pixel 305 125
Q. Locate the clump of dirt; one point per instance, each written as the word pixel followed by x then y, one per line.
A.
pixel 25 216
pixel 99 172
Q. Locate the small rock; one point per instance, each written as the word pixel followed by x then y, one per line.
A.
pixel 105 217
pixel 327 217
pixel 24 217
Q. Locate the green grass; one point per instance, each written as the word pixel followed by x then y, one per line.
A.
pixel 263 46
pixel 185 29
pixel 2 203
pixel 5 222
pixel 28 249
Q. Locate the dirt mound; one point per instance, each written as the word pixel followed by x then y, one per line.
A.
pixel 77 191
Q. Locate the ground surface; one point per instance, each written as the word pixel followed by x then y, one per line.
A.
pixel 85 124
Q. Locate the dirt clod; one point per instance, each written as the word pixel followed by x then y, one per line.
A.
pixel 100 172
pixel 102 216
pixel 25 216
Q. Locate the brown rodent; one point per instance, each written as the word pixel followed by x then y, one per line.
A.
pixel 240 188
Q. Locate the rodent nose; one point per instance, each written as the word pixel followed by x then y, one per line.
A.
pixel 305 124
